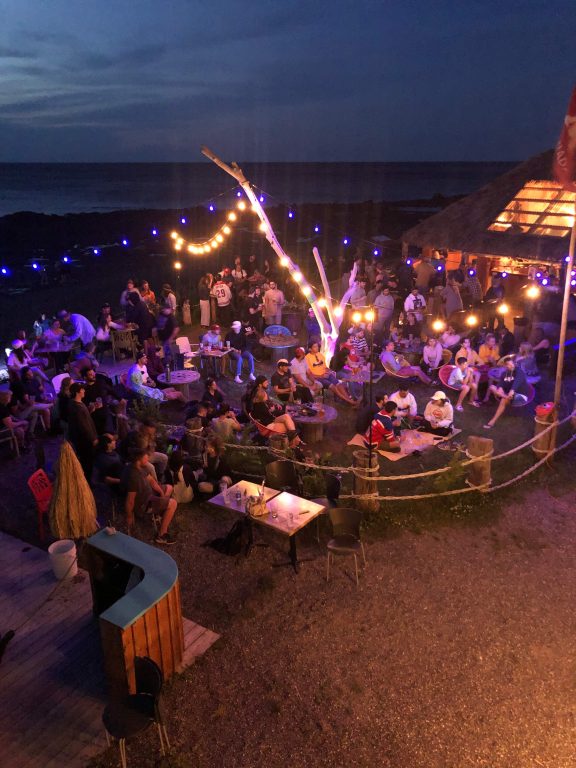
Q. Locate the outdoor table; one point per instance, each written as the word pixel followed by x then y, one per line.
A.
pixel 362 377
pixel 214 355
pixel 287 513
pixel 278 346
pixel 181 380
pixel 58 352
pixel 312 426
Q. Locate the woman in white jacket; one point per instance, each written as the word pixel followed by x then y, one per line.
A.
pixel 439 415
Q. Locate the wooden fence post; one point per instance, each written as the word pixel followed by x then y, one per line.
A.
pixel 364 485
pixel 479 473
pixel 547 442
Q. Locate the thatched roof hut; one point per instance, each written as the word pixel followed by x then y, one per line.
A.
pixel 522 215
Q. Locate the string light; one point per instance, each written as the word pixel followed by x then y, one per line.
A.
pixel 34 266
pixel 178 265
pixel 356 318
pixel 124 242
pixel 65 259
pixel 322 303
pixel 504 274
pixel 338 311
pixel 572 282
pixel 472 272
pixel 306 290
pixel 232 216
pixel 409 262
pixel 438 326
pixel 220 238
pixel 290 214
pixel 566 259
pixel 95 251
pixel 471 321
pixel 538 274
pixel 439 268
pixel 503 309
pixel 533 292
pixel 226 230
pixel 369 316
pixel 345 241
pixel 238 194
pixel 241 205
pixel 4 271
pixel 183 220
pixel 376 252
pixel 154 232
pixel 545 281
pixel 297 276
pixel 284 262
pixel 211 208
pixel 263 227
pixel 316 228
pixel 261 198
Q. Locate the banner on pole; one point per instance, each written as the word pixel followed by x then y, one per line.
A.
pixel 565 152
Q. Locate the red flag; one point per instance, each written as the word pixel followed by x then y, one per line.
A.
pixel 565 152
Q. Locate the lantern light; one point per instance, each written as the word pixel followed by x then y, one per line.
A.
pixel 503 309
pixel 471 321
pixel 533 292
pixel 356 318
pixel 183 220
pixel 178 265
pixel 369 316
pixel 438 326
pixel 322 302
pixel 297 276
pixel 306 290
pixel 338 311
pixel 241 205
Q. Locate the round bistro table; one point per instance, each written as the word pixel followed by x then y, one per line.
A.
pixel 312 427
pixel 181 380
pixel 279 347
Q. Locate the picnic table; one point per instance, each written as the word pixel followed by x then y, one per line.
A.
pixel 312 424
pixel 287 513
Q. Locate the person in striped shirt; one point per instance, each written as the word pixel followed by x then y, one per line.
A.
pixel 381 432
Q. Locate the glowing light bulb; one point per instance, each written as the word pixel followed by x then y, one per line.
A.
pixel 211 208
pixel 124 242
pixel 316 228
pixel 220 238
pixel 226 230
pixel 232 216
pixel 183 220
pixel 572 282
pixel 174 235
pixel 241 205
pixel 290 214
pixel 322 303
pixel 154 232
pixel 376 252
pixel 439 268
pixel 191 249
pixel 238 194
pixel 409 262
pixel 471 321
pixel 545 281
pixel 306 290
pixel 471 272
pixel 438 326
pixel 34 266
pixel 533 292
pixel 356 317
pixel 206 249
pixel 95 251
pixel 261 198
pixel 284 261
pixel 566 259
pixel 503 309
pixel 369 316
pixel 297 276
pixel 263 227
pixel 4 271
pixel 538 274
pixel 338 311
pixel 345 241
pixel 178 247
pixel 214 244
pixel 177 265
pixel 504 274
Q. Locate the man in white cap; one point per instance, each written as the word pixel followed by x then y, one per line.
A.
pixel 439 415
pixel 236 340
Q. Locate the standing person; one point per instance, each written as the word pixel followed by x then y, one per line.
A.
pixel 239 275
pixel 273 302
pixel 439 415
pixel 138 312
pixel 143 492
pixel 130 288
pixel 255 307
pixel 77 327
pixel 204 287
pixel 405 277
pixel 223 295
pixel 472 287
pixel 236 340
pixel 169 297
pixel 81 429
pixel 166 329
pixel 414 306
pixel 451 298
pixel 358 296
pixel 148 295
pixel 384 306
pixel 462 378
pixel 425 273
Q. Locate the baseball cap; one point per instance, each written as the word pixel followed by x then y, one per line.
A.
pixel 300 349
pixel 236 324
pixel 439 395
pixel 214 327
pixel 283 361
pixel 17 344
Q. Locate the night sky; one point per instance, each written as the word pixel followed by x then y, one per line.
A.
pixel 391 80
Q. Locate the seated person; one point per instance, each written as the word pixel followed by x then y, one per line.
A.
pixel 367 413
pixel 323 375
pixel 145 435
pixel 285 386
pixel 526 359
pixel 512 387
pixel 27 400
pixel 506 341
pixel 406 407
pixel 359 343
pixel 462 378
pixel 144 493
pixel 400 365
pixel 212 396
pixel 225 424
pixel 214 470
pixel 236 339
pixel 302 375
pixel 212 337
pixel 181 478
pixel 18 426
pixel 381 432
pixel 102 402
pixel 53 334
pixel 450 339
pixel 432 355
pixel 489 352
pixel 439 415
pixel 139 382
pixel 108 462
pixel 264 412
pixel 468 351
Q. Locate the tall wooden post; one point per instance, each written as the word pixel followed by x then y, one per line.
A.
pixel 369 465
pixel 480 472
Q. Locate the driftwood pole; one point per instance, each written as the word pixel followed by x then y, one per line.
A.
pixel 368 465
pixel 479 473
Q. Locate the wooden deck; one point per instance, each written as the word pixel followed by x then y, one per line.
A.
pixel 52 688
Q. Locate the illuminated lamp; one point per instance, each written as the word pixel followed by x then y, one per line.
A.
pixel 504 274
pixel 439 268
pixel 191 249
pixel 471 321
pixel 338 311
pixel 154 232
pixel 232 216
pixel 376 252
pixel 545 281
pixel 297 276
pixel 174 235
pixel 261 198
pixel 503 309
pixel 572 282
pixel 345 241
pixel 65 259
pixel 95 251
pixel 533 292
pixel 263 227
pixel 409 262
pixel 369 316
pixel 322 303
pixel 211 208
pixel 438 326
pixel 178 247
pixel 306 290
pixel 566 259
pixel 241 205
pixel 357 317
pixel 206 249
pixel 471 272
pixel 34 266
pixel 124 242
pixel 284 261
pixel 220 238
pixel 177 265
pixel 238 194
pixel 316 229
pixel 183 220
pixel 214 244
pixel 290 214
pixel 538 274
pixel 226 230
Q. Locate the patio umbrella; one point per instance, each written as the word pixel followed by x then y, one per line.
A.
pixel 73 507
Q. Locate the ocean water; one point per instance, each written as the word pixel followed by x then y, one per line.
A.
pixel 100 187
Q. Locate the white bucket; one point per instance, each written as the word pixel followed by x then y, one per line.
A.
pixel 63 559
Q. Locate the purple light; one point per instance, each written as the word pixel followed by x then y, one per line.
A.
pixel 34 266
pixel 124 242
pixel 376 252
pixel 538 274
pixel 504 274
pixel 261 198
pixel 345 241
pixel 183 220
pixel 290 214
pixel 566 259
pixel 316 229
pixel 65 259
pixel 95 251
pixel 439 268
pixel 409 262
pixel 238 194
pixel 471 272
pixel 4 271
pixel 572 282
pixel 545 281
pixel 211 208
pixel 154 232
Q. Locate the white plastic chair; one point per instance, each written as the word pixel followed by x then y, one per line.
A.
pixel 57 381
